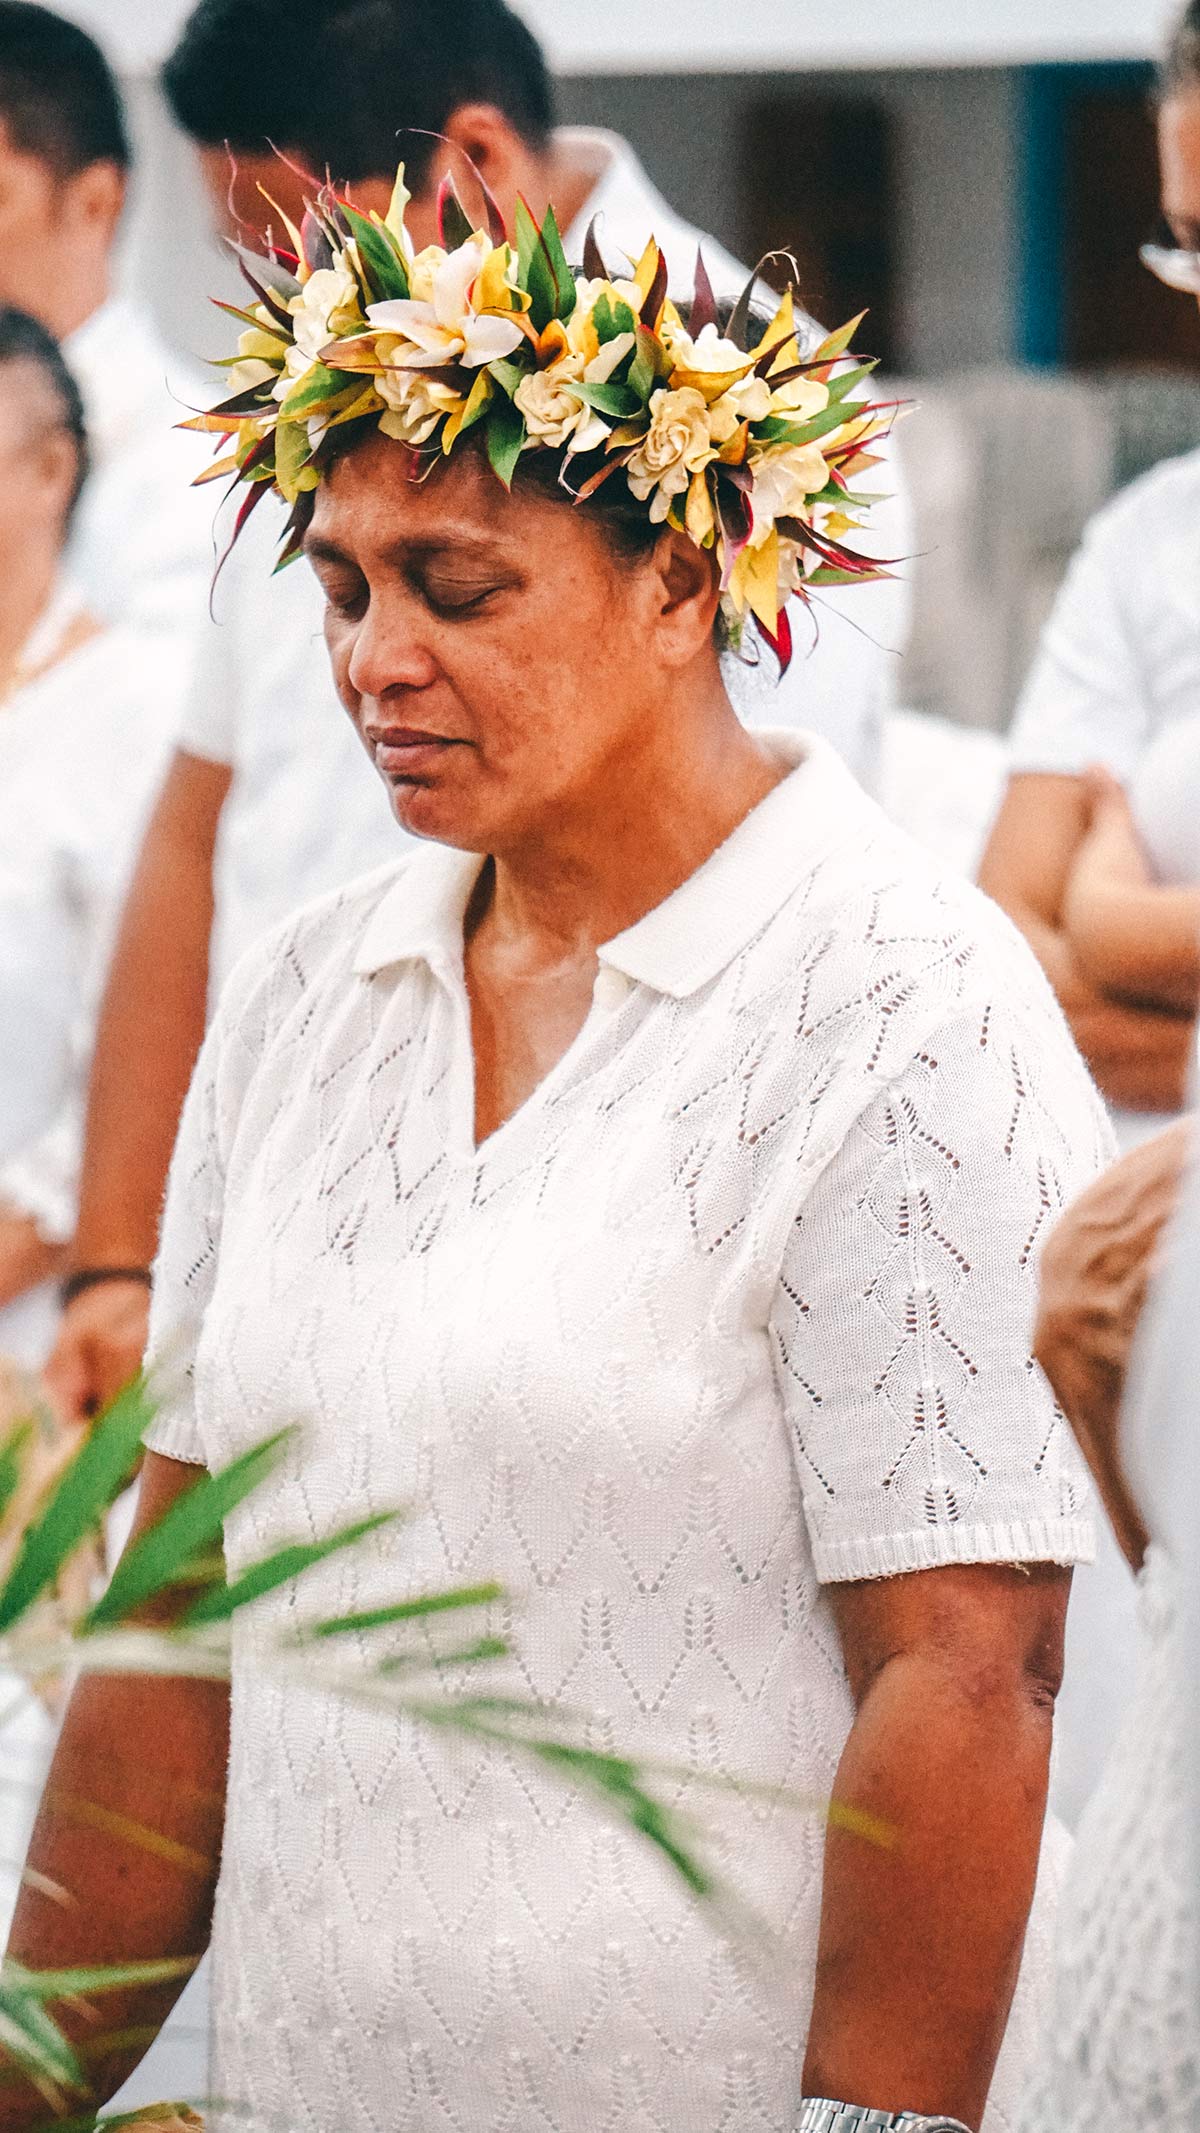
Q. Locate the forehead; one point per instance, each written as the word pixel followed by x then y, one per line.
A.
pixel 20 166
pixel 382 496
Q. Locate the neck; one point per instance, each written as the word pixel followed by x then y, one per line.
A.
pixel 29 579
pixel 646 821
pixel 567 177
pixel 89 289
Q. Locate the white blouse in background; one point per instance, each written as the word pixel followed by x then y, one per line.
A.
pixel 142 545
pixel 737 1304
pixel 83 747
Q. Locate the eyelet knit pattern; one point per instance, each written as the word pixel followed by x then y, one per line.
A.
pixel 737 1304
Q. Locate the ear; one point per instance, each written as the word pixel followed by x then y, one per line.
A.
pixel 502 158
pixel 57 462
pixel 687 592
pixel 98 197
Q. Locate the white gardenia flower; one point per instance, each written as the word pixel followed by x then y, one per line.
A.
pixel 677 445
pixel 327 303
pixel 709 354
pixel 443 327
pixel 784 480
pixel 556 416
pixel 415 404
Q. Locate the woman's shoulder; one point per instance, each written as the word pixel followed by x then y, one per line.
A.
pixel 890 937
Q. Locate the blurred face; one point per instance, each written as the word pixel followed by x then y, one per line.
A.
pixel 499 661
pixel 55 235
pixel 237 183
pixel 37 465
pixel 1179 156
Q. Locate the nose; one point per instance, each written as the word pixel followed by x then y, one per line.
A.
pixel 387 653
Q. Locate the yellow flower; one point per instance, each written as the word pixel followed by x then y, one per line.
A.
pixel 677 445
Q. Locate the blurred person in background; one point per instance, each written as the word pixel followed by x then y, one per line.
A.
pixel 246 829
pixel 84 740
pixel 1119 1338
pixel 1096 850
pixel 83 743
pixel 141 547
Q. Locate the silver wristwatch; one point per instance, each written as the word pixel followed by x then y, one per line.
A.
pixel 820 2116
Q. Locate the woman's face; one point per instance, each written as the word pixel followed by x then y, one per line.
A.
pixel 37 465
pixel 501 663
pixel 1179 156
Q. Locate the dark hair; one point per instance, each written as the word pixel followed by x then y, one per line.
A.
pixel 58 95
pixel 354 86
pixel 25 340
pixel 1181 66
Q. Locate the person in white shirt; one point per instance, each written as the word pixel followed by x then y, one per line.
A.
pixel 142 547
pixel 1116 689
pixel 83 744
pixel 1095 851
pixel 443 87
pixel 644 1180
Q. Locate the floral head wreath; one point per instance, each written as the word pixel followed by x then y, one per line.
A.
pixel 737 438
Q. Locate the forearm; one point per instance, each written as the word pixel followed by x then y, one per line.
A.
pixel 129 1836
pixel 1140 943
pixel 1139 1055
pixel 921 1941
pixel 151 1024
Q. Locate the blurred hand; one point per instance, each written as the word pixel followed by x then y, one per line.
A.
pixel 26 1260
pixel 1111 858
pixel 1095 1274
pixel 100 1346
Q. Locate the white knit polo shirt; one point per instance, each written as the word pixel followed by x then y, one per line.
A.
pixel 739 1302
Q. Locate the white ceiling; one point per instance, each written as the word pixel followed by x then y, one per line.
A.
pixel 629 36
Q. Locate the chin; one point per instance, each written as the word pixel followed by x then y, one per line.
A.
pixel 426 812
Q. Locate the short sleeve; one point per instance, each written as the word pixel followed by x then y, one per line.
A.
pixel 185 1270
pixel 208 721
pixel 1088 699
pixel 924 1433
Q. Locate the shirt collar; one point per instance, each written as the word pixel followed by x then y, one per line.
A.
pixel 692 936
pixel 629 206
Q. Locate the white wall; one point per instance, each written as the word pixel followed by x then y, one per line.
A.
pixel 674 35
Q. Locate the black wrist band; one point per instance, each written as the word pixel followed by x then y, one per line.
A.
pixel 94 1277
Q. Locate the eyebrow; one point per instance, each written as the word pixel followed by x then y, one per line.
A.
pixel 320 549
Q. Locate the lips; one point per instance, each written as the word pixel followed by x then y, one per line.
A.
pixel 406 751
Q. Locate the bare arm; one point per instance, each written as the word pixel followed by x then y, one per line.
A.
pixel 954 1673
pixel 1138 1054
pixel 1095 1275
pixel 136 1756
pixel 1131 936
pixel 151 1027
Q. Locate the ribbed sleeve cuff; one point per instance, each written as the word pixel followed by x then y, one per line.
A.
pixel 1066 1541
pixel 174 1437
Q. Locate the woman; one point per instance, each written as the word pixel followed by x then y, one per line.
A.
pixel 1122 2044
pixel 82 745
pixel 645 1182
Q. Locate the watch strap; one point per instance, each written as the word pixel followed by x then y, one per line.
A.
pixel 820 2115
